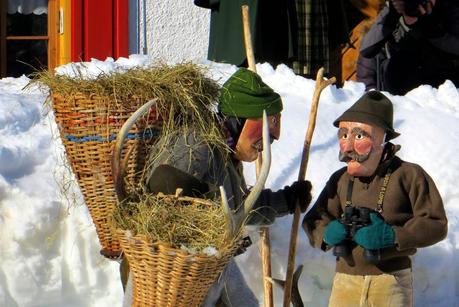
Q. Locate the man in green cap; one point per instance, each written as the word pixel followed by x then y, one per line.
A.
pixel 375 212
pixel 243 99
pixel 197 169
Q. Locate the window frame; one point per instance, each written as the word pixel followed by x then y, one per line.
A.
pixel 51 37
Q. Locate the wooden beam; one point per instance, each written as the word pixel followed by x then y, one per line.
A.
pixel 64 34
pixel 28 38
pixel 3 7
pixel 53 28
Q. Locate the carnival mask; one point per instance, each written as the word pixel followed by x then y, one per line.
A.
pixel 250 141
pixel 361 146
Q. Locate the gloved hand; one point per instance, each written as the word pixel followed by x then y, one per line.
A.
pixel 377 235
pixel 299 192
pixel 334 233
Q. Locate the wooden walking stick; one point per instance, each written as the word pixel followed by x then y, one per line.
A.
pixel 321 83
pixel 248 38
pixel 264 231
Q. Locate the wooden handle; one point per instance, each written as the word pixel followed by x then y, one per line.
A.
pixel 266 266
pixel 264 231
pixel 248 38
pixel 320 85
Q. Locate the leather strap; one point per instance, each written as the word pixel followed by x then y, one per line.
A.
pixel 382 191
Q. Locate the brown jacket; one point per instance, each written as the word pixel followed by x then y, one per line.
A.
pixel 412 205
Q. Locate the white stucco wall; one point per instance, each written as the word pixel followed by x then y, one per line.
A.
pixel 177 30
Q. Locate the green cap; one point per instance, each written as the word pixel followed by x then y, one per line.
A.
pixel 245 95
pixel 372 108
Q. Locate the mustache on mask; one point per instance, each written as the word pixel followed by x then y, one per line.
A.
pixel 348 156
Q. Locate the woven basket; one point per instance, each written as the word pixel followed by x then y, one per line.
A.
pixel 164 276
pixel 88 128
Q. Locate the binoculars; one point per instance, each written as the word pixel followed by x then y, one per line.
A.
pixel 353 219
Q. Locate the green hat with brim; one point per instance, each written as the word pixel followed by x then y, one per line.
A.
pixel 245 95
pixel 372 108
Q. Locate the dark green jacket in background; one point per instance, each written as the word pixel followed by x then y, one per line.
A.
pixel 269 26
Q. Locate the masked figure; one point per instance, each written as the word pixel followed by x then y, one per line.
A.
pixel 375 212
pixel 187 162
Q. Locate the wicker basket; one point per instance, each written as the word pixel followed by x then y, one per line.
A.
pixel 163 276
pixel 88 127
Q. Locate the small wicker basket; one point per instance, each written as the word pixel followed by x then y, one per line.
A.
pixel 88 127
pixel 165 276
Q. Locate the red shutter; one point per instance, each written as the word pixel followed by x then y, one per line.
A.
pixel 76 53
pixel 99 29
pixel 121 31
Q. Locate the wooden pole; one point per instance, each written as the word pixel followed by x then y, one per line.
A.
pixel 264 231
pixel 248 38
pixel 321 83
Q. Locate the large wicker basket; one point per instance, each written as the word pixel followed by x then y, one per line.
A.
pixel 168 277
pixel 88 127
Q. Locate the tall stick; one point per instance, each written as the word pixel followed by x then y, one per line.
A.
pixel 248 38
pixel 321 83
pixel 264 231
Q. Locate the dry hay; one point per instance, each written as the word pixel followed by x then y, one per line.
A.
pixel 178 222
pixel 187 99
pixel 177 82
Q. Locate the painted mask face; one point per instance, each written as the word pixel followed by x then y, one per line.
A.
pixel 250 141
pixel 360 146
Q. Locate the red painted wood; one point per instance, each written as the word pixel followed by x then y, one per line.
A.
pixel 98 29
pixel 121 28
pixel 76 52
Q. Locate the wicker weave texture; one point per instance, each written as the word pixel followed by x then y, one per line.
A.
pixel 167 277
pixel 88 129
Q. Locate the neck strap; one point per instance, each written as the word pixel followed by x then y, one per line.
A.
pixel 382 191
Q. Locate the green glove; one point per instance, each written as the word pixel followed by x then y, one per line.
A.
pixel 334 233
pixel 377 235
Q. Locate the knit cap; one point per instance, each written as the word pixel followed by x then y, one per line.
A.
pixel 245 95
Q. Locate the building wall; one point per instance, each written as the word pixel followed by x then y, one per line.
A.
pixel 176 31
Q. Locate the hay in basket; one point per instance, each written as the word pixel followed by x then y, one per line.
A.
pixel 90 113
pixel 176 248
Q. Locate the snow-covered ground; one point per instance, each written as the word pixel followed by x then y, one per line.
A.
pixel 49 251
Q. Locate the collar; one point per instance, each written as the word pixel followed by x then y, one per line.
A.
pixel 388 159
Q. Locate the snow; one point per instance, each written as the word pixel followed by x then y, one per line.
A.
pixel 49 249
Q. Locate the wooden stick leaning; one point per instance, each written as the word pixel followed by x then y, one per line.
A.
pixel 321 83
pixel 248 38
pixel 264 231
